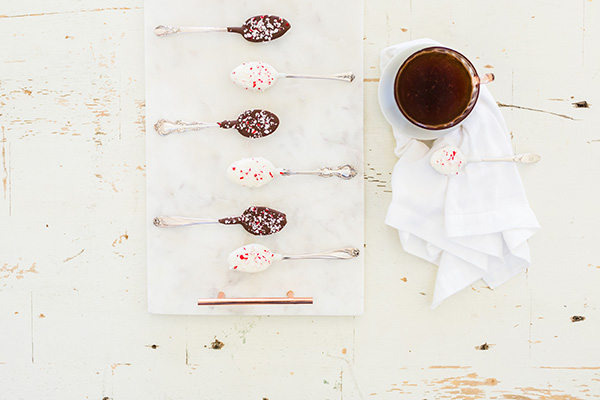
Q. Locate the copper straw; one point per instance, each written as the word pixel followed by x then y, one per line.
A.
pixel 221 300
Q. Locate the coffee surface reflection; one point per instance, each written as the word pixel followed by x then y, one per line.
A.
pixel 436 88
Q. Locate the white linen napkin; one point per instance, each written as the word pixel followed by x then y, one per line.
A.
pixel 473 225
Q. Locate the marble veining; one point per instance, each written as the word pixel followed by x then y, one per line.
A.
pixel 187 78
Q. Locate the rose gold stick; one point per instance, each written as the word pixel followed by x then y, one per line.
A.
pixel 221 300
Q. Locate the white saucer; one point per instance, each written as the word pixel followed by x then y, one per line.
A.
pixel 387 102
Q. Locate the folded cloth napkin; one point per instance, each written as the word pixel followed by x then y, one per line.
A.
pixel 473 225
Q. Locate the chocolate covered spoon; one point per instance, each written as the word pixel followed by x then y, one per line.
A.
pixel 257 258
pixel 252 124
pixel 261 28
pixel 260 76
pixel 258 171
pixel 257 220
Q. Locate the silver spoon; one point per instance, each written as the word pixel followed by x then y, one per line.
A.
pixel 259 76
pixel 256 220
pixel 260 28
pixel 252 124
pixel 258 171
pixel 256 257
pixel 450 160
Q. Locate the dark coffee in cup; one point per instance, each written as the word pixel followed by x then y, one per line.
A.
pixel 436 88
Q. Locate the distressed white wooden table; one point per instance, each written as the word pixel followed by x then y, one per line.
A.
pixel 73 320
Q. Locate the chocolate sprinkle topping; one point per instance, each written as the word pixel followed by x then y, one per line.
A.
pixel 227 124
pixel 262 28
pixel 258 220
pixel 253 124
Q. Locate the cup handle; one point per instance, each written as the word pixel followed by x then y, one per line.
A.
pixel 482 80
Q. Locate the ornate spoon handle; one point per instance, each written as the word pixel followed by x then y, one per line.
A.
pixel 525 158
pixel 340 254
pixel 346 76
pixel 164 30
pixel 164 127
pixel 169 222
pixel 346 171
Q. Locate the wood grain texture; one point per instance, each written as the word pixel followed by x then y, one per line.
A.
pixel 73 320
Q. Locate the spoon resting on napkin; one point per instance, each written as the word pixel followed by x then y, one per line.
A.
pixel 474 225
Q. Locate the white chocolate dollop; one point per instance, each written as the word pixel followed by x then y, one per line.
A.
pixel 448 160
pixel 252 172
pixel 252 258
pixel 256 76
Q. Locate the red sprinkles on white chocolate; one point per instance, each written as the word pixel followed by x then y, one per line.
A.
pixel 447 160
pixel 255 76
pixel 251 258
pixel 251 172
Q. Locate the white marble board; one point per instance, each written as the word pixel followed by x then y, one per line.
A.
pixel 187 77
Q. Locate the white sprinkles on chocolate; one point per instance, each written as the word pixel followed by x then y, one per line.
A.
pixel 259 220
pixel 265 28
pixel 258 123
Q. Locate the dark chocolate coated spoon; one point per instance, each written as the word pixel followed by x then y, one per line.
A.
pixel 260 28
pixel 252 124
pixel 257 220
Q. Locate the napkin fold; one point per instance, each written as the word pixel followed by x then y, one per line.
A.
pixel 473 225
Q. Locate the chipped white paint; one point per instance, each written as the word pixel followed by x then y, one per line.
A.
pixel 73 323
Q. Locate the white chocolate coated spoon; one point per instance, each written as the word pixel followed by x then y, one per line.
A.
pixel 258 171
pixel 260 76
pixel 450 160
pixel 256 257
